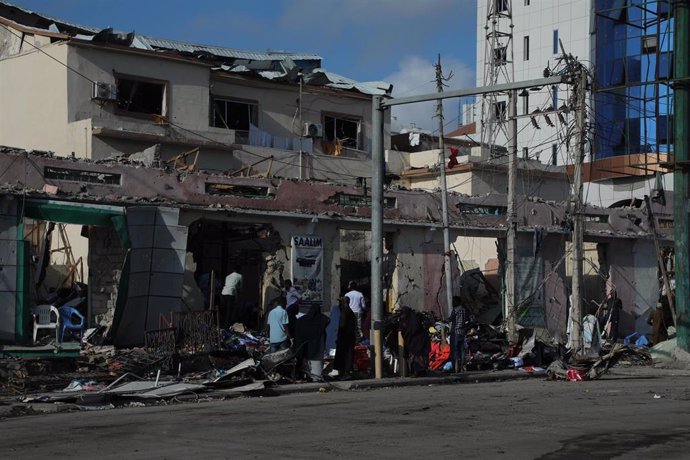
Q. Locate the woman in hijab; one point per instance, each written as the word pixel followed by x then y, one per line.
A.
pixel 310 339
pixel 345 343
pixel 417 345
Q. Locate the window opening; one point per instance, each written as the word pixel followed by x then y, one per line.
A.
pixel 140 96
pixel 343 131
pixel 236 115
pixel 525 45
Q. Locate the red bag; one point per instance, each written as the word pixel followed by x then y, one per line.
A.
pixel 438 355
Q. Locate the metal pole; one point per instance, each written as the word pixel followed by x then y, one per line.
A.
pixel 660 259
pixel 444 193
pixel 681 173
pixel 301 127
pixel 578 224
pixel 511 238
pixel 377 233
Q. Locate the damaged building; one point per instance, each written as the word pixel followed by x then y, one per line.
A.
pixel 174 161
pixel 143 249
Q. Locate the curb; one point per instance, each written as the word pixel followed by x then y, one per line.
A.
pixel 392 382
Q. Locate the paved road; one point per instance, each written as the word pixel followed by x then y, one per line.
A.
pixel 512 420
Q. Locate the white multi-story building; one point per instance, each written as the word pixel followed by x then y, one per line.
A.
pixel 628 48
pixel 538 27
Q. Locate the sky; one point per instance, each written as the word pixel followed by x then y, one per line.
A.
pixel 367 40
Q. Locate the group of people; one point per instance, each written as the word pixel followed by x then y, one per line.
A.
pixel 308 331
pixel 417 343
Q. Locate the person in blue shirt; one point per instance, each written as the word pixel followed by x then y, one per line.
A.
pixel 277 322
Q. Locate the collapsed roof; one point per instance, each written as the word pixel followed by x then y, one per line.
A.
pixel 273 65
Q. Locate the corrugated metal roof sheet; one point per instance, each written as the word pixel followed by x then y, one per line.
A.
pixel 175 45
pixel 314 76
pixel 55 20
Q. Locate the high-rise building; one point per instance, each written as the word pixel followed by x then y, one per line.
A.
pixel 628 45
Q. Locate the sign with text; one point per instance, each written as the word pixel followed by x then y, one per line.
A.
pixel 307 268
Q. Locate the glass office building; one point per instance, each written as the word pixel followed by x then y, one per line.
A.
pixel 633 98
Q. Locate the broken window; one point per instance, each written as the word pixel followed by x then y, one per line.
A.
pixel 140 96
pixel 649 44
pixel 234 114
pixel 342 130
pixel 75 175
pixel 247 191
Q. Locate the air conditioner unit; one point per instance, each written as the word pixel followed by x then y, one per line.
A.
pixel 104 91
pixel 313 130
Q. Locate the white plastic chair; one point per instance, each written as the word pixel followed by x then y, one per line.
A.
pixel 43 319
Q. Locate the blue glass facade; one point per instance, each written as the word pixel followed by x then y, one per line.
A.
pixel 633 63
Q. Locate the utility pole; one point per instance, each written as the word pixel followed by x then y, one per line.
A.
pixel 681 173
pixel 510 299
pixel 580 89
pixel 448 273
pixel 301 128
pixel 377 233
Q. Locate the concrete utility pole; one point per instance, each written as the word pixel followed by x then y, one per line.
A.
pixel 510 299
pixel 580 89
pixel 377 161
pixel 448 273
pixel 681 172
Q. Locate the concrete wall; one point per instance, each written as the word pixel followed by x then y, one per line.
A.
pixel 482 179
pixel 106 257
pixel 33 97
pixel 8 269
pixel 633 273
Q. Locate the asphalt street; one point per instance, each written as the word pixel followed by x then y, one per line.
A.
pixel 617 417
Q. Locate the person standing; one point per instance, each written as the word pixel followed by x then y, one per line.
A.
pixel 417 343
pixel 310 340
pixel 277 322
pixel 615 305
pixel 356 303
pixel 230 297
pixel 458 333
pixel 345 343
pixel 293 299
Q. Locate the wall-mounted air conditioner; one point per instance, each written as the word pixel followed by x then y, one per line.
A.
pixel 313 130
pixel 104 91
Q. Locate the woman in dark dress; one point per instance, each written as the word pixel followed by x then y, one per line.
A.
pixel 345 344
pixel 310 339
pixel 417 344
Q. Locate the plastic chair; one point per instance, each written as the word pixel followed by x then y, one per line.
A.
pixel 43 319
pixel 72 320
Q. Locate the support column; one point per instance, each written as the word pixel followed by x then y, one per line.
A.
pixel 377 233
pixel 510 300
pixel 681 174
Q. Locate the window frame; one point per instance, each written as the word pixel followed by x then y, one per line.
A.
pixel 345 117
pixel 165 99
pixel 234 100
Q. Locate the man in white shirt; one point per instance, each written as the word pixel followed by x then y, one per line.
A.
pixel 229 298
pixel 356 300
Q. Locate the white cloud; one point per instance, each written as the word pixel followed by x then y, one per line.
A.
pixel 416 75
